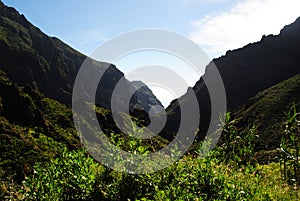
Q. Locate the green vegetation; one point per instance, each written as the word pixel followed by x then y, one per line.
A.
pixel 17 37
pixel 290 148
pixel 70 176
pixel 32 128
pixel 227 173
pixel 40 159
pixel 236 144
pixel 267 110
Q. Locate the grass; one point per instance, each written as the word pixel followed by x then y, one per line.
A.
pixel 267 110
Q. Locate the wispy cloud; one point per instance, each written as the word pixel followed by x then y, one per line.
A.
pixel 244 23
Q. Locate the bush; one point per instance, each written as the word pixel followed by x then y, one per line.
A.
pixel 236 145
pixel 70 176
pixel 75 176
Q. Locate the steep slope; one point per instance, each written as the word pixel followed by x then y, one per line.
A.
pixel 258 66
pixel 31 127
pixel 267 110
pixel 247 71
pixel 37 74
pixel 28 56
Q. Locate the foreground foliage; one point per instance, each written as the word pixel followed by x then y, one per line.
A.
pixel 74 176
pixel 37 149
pixel 68 177
pixel 227 173
pixel 290 148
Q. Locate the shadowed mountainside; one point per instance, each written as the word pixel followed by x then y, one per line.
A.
pixel 245 72
pixel 29 57
pixel 37 74
pixel 32 126
pixel 267 110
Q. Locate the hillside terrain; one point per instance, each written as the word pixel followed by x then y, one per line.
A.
pixel 37 75
pixel 246 72
pixel 31 128
pixel 42 157
pixel 268 111
pixel 29 57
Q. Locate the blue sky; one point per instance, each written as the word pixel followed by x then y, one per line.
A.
pixel 85 24
pixel 215 25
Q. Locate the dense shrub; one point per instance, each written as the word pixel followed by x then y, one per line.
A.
pixel 227 173
pixel 236 145
pixel 68 177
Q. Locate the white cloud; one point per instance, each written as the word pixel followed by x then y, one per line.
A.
pixel 246 22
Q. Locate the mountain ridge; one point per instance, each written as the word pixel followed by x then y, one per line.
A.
pixel 245 72
pixel 28 56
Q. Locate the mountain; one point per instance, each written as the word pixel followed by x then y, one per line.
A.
pixel 245 72
pixel 260 65
pixel 37 74
pixel 268 111
pixel 32 126
pixel 29 57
